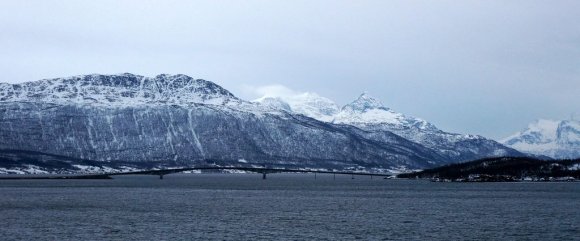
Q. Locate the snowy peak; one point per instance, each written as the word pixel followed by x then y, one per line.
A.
pixel 538 132
pixel 274 103
pixel 313 105
pixel 363 112
pixel 364 103
pixel 119 89
pixel 557 139
pixel 367 110
pixel 308 104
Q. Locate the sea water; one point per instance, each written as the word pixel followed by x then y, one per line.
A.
pixel 285 207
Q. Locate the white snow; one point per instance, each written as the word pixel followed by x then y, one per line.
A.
pixel 363 111
pixel 308 104
pixel 372 116
pixel 26 169
pixel 96 169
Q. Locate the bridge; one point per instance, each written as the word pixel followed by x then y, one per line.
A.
pixel 162 172
pixel 262 170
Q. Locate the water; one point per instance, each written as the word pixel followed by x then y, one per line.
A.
pixel 285 207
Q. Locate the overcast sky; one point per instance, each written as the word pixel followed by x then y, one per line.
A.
pixel 480 67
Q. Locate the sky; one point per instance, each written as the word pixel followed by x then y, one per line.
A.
pixel 479 67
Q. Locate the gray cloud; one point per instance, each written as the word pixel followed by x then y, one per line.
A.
pixel 482 67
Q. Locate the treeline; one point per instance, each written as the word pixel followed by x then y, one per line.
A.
pixel 508 166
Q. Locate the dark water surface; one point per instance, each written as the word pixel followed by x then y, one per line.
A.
pixel 285 207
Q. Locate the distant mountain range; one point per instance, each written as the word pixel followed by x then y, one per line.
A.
pixel 370 115
pixel 176 119
pixel 556 139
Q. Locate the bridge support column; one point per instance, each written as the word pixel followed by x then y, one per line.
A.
pixel 264 175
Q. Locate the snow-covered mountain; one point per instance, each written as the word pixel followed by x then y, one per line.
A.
pixel 371 115
pixel 557 139
pixel 178 119
pixel 366 111
pixel 119 119
pixel 308 104
pixel 119 90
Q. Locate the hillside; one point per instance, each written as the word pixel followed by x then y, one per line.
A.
pixel 504 168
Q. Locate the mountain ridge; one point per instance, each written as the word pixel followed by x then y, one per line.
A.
pixel 119 89
pixel 178 119
pixel 370 114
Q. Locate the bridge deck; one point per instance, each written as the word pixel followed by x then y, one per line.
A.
pixel 162 172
